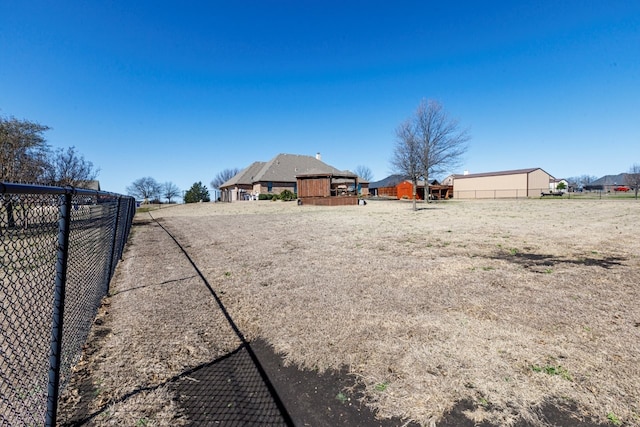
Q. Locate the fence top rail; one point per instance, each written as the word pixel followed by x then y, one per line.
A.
pixel 15 188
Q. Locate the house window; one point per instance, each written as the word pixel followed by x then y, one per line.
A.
pixel 295 188
pixel 269 186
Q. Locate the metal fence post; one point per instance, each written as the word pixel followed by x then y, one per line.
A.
pixel 114 242
pixel 58 310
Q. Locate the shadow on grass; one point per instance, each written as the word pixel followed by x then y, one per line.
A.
pixel 541 260
pixel 231 390
pixel 155 285
pixel 227 391
pixel 550 414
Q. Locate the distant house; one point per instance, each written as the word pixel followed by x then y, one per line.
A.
pixel 503 184
pixel 555 183
pixel 240 186
pixel 93 184
pixel 274 176
pixel 607 183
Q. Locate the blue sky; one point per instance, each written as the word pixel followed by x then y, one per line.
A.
pixel 182 90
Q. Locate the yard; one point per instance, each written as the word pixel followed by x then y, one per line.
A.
pixel 507 306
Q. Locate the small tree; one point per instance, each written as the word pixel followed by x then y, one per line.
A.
pixel 430 142
pixel 561 186
pixel 223 177
pixel 364 172
pixel 145 188
pixel 442 142
pixel 197 193
pixel 406 155
pixel 69 168
pixel 632 179
pixel 23 150
pixel 23 155
pixel 170 191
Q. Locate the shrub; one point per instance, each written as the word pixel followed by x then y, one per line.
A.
pixel 287 195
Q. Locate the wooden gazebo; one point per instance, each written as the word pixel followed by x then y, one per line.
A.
pixel 327 188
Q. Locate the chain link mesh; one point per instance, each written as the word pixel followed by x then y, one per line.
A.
pixel 30 228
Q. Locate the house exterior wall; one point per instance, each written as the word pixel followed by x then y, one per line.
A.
pixel 448 180
pixel 234 193
pixel 265 187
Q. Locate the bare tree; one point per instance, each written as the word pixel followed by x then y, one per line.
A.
pixel 67 167
pixel 581 181
pixel 407 157
pixel 223 177
pixel 23 150
pixel 170 191
pixel 428 143
pixel 145 188
pixel 364 172
pixel 632 178
pixel 442 142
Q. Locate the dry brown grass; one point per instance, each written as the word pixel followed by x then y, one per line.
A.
pixel 510 304
pixel 158 321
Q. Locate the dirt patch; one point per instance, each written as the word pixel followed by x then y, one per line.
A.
pixel 541 260
pixel 319 399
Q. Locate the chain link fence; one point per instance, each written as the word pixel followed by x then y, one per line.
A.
pixel 508 193
pixel 58 249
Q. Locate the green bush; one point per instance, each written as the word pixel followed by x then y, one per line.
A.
pixel 287 195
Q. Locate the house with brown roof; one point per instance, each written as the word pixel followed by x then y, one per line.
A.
pixel 274 176
pixel 607 183
pixel 240 186
pixel 517 183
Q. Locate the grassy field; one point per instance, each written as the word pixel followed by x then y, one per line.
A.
pixel 508 304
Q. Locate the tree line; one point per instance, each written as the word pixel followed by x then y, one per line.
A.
pixel 427 143
pixel 26 157
pixel 149 190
